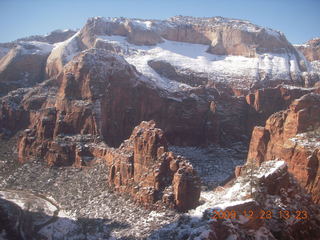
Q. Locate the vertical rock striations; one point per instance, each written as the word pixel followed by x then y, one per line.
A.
pixel 144 168
pixel 292 135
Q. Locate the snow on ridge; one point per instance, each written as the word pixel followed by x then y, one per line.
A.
pixel 274 33
pixel 243 25
pixel 67 49
pixel 59 31
pixel 273 168
pixel 315 66
pixel 194 57
pixel 238 193
pixel 148 24
pixel 145 25
pixel 42 46
pixel 3 51
pixel 307 44
pixel 314 39
pixel 307 139
pixel 225 205
pixel 297 87
pixel 35 47
pixel 300 45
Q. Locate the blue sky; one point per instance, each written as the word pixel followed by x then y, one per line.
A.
pixel 297 19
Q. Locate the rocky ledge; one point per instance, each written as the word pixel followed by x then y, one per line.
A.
pixel 292 135
pixel 311 49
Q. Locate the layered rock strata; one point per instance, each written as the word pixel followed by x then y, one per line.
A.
pixel 100 94
pixel 277 209
pixel 23 62
pixel 68 118
pixel 311 49
pixel 224 36
pixel 143 167
pixel 23 66
pixel 262 103
pixel 292 135
pixel 268 58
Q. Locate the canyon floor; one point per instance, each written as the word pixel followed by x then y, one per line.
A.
pixel 102 118
pixel 89 209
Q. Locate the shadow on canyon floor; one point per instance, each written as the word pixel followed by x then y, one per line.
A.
pixel 18 224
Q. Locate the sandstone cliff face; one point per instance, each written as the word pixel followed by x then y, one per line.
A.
pixel 101 95
pixel 311 49
pixel 23 66
pixel 143 167
pixel 62 54
pixel 292 135
pixel 23 61
pixel 91 98
pixel 53 37
pixel 276 191
pixel 226 36
pixel 280 62
pixel 264 102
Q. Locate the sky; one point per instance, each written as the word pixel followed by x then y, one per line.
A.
pixel 297 19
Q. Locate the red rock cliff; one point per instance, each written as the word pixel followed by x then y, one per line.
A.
pixel 142 167
pixel 293 135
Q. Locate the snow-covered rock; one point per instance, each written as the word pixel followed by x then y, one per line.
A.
pixel 217 50
pixel 63 53
pixel 23 65
pixel 311 49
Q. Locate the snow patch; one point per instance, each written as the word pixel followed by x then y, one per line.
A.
pixel 309 139
pixel 315 66
pixel 145 25
pixel 194 58
pixel 3 51
pixel 238 193
pixel 36 48
pixel 273 33
pixel 67 49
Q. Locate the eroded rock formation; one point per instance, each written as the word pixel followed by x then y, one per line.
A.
pixel 276 193
pixel 311 49
pixel 94 99
pixel 143 167
pixel 292 135
pixel 23 61
pixel 266 101
pixel 70 115
pixel 53 37
pixel 224 36
pixel 23 66
pixel 265 50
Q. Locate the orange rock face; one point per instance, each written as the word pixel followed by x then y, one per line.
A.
pixel 311 50
pixel 142 167
pixel 67 128
pixel 278 191
pixel 100 94
pixel 22 66
pixel 264 102
pixel 293 135
pixel 223 36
